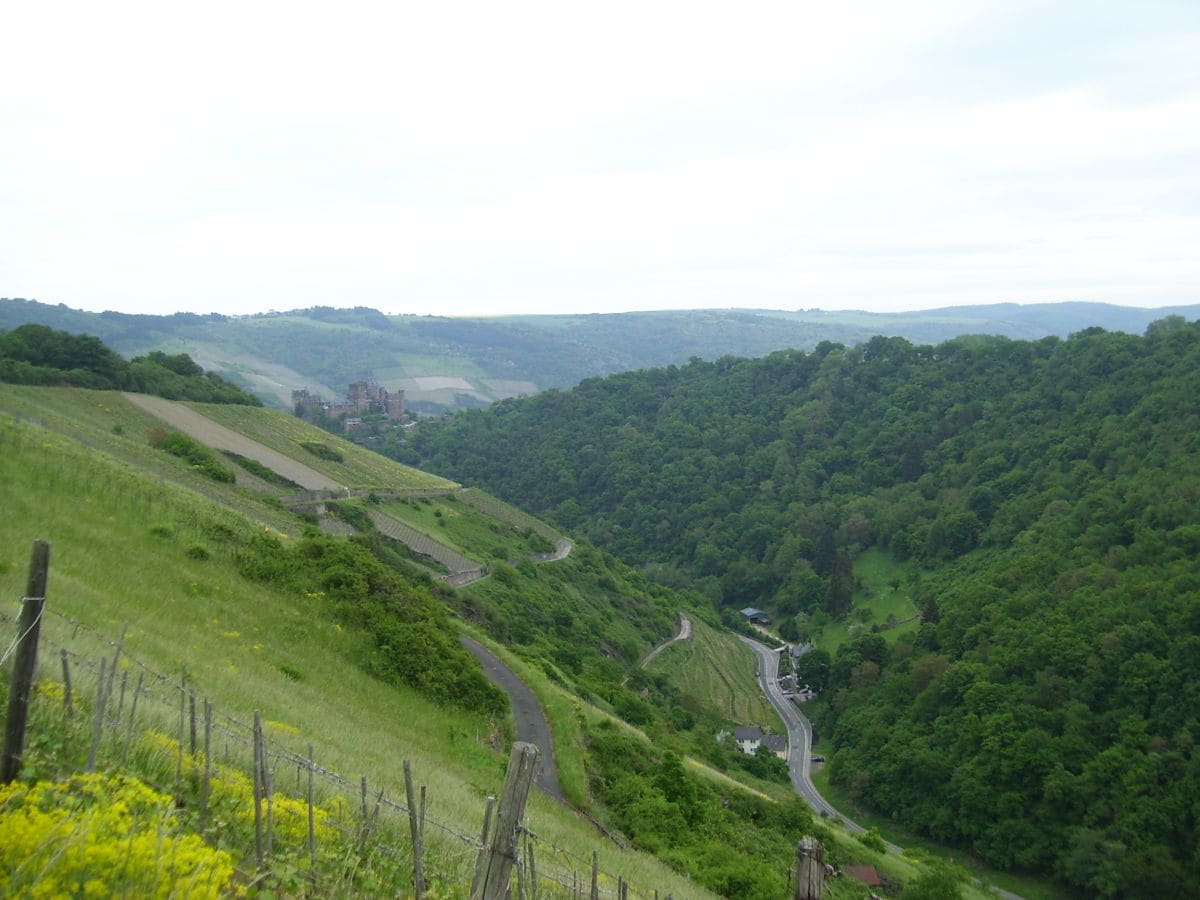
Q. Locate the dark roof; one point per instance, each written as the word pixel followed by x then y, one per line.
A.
pixel 747 733
pixel 751 613
pixel 866 874
pixel 774 741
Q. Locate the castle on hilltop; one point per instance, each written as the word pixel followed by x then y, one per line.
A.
pixel 362 398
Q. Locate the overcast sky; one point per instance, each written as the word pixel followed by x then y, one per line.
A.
pixel 491 158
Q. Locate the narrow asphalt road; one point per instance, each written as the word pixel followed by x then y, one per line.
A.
pixel 800 748
pixel 532 725
pixel 799 757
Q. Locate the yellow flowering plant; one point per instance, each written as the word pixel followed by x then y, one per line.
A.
pixel 98 835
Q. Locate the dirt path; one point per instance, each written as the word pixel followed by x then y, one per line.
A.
pixel 683 634
pixel 219 437
pixel 532 725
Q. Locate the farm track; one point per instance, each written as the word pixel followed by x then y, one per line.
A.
pixel 532 724
pixel 217 436
pixel 682 633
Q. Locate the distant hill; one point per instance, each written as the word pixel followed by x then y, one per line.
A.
pixel 452 363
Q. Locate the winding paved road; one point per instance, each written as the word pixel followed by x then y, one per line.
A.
pixel 799 757
pixel 800 748
pixel 532 725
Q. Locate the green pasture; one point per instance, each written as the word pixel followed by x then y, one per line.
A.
pixel 106 423
pixel 463 528
pixel 881 593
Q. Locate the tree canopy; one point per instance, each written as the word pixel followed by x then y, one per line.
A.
pixel 1046 494
pixel 39 355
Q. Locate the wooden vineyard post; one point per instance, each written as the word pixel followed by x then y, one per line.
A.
pixel 483 842
pixel 595 894
pixel 414 821
pixel 810 869
pixel 97 720
pixel 496 858
pixel 20 686
pixel 66 667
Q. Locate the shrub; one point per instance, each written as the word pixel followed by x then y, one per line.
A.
pixel 102 835
pixel 323 451
pixel 201 458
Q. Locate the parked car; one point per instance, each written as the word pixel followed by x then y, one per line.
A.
pixel 818 759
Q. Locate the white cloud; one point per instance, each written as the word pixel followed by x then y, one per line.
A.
pixel 519 156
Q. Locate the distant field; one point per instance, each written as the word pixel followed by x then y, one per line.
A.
pixel 360 468
pixel 718 670
pixel 876 570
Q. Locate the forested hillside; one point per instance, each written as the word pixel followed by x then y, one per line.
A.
pixel 1043 497
pixel 37 354
pixel 447 363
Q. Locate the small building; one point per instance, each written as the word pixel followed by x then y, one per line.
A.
pixel 757 616
pixel 748 737
pixel 777 744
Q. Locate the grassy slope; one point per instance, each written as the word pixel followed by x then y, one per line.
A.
pixel 717 670
pixel 119 556
pixel 874 601
pixel 461 527
pixel 360 468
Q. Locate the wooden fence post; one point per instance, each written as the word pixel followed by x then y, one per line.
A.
pixel 258 793
pixel 206 784
pixel 483 842
pixel 20 686
pixel 97 719
pixel 312 831
pixel 414 822
pixel 810 869
pixel 494 865
pixel 137 692
pixel 68 704
pixel 595 894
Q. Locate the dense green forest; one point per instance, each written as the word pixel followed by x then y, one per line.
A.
pixel 39 355
pixel 1043 496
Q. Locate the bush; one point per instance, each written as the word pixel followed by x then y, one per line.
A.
pixel 64 838
pixel 201 458
pixel 323 451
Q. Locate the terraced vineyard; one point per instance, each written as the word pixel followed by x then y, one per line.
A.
pixel 455 563
pixel 106 423
pixel 718 671
pixel 463 527
pixel 359 469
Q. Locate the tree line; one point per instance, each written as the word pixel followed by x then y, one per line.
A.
pixel 39 355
